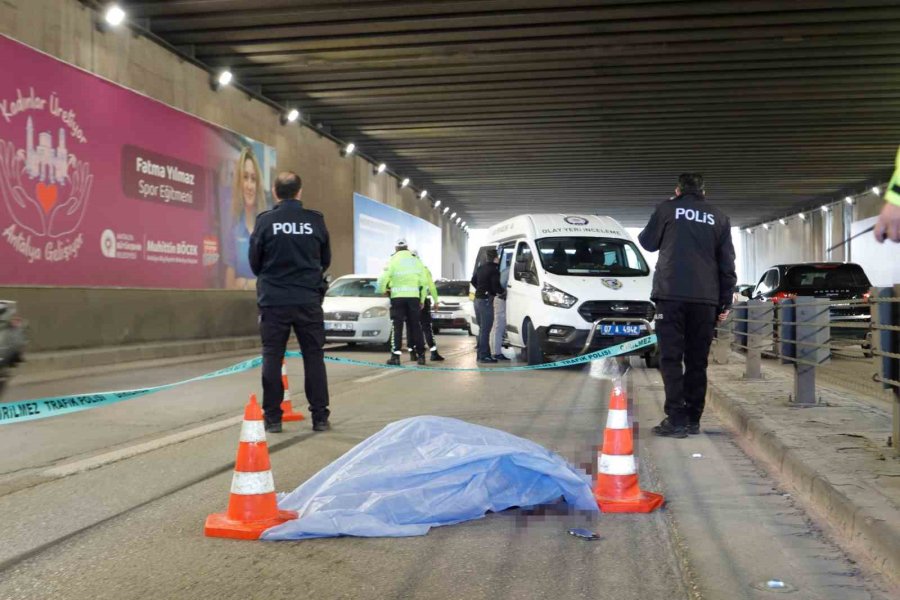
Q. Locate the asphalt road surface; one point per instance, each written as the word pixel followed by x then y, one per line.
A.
pixel 110 502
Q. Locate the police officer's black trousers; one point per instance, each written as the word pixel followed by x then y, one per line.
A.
pixel 275 325
pixel 427 331
pixel 685 332
pixel 406 310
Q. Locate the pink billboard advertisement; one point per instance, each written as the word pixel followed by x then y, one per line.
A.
pixel 103 187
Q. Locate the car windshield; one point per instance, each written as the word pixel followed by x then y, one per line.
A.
pixel 452 288
pixel 816 277
pixel 590 256
pixel 353 288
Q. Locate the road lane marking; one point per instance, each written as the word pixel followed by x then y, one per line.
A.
pixel 101 460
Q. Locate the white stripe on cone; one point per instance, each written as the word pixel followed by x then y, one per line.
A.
pixel 283 368
pixel 611 464
pixel 253 431
pixel 617 419
pixel 251 484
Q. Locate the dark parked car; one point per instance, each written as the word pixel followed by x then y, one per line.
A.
pixel 829 281
pixel 12 340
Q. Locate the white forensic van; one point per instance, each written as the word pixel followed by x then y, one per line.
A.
pixel 577 284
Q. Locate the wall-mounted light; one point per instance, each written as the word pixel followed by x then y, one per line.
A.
pixel 453 215
pixel 404 183
pixel 782 221
pixel 348 149
pixel 290 116
pixel 221 80
pixel 446 208
pixel 380 169
pixel 423 194
pixel 876 190
pixel 802 216
pixel 848 200
pixel 766 226
pixel 114 15
pixel 437 203
pixel 825 209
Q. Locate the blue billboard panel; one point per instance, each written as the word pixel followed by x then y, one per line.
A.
pixel 376 229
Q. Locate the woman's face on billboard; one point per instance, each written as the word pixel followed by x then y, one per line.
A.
pixel 250 184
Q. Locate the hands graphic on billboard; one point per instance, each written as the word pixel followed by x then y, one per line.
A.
pixel 24 210
pixel 67 216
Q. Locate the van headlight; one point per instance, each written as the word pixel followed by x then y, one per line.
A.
pixel 556 297
pixel 375 312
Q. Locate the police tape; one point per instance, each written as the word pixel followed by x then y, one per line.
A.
pixel 42 408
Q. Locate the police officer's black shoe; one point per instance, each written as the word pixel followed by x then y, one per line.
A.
pixel 394 360
pixel 421 360
pixel 487 359
pixel 435 356
pixel 321 425
pixel 667 429
pixel 500 357
pixel 273 427
pixel 693 428
pixel 413 355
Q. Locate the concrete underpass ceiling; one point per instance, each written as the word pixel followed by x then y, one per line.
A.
pixel 503 107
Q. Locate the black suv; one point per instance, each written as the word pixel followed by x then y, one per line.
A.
pixel 830 281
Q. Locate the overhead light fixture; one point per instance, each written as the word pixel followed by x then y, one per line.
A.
pixel 453 215
pixel 802 216
pixel 437 203
pixel 381 169
pixel 825 209
pixel 876 190
pixel 114 15
pixel 848 200
pixel 458 220
pixel 290 116
pixel 782 221
pixel 404 183
pixel 446 208
pixel 220 80
pixel 766 226
pixel 348 149
pixel 464 224
pixel 423 194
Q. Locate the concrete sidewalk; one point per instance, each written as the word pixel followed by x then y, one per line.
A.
pixel 834 455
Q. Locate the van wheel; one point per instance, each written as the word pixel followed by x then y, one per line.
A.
pixel 533 353
pixel 652 360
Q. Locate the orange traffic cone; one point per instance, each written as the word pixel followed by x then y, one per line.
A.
pixel 616 489
pixel 287 409
pixel 252 507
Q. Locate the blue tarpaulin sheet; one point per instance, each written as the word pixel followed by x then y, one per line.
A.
pixel 424 472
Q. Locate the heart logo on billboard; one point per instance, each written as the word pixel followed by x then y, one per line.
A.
pixel 47 195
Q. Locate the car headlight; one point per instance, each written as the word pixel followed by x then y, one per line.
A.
pixel 556 297
pixel 375 312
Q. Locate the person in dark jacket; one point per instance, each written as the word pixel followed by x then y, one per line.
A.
pixel 487 286
pixel 692 289
pixel 289 253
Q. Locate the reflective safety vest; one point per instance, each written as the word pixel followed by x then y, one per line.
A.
pixel 893 190
pixel 430 289
pixel 404 275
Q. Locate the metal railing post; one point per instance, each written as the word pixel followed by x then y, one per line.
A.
pixel 811 346
pixel 887 314
pixel 759 327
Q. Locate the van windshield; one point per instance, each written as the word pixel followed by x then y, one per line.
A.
pixel 591 256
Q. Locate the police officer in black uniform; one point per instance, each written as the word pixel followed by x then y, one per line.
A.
pixel 692 289
pixel 289 253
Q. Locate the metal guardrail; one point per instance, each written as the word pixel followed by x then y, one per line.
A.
pixel 806 332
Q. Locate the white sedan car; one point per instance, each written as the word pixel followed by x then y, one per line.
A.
pixel 355 313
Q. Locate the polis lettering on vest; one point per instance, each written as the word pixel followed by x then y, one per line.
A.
pixel 691 214
pixel 292 228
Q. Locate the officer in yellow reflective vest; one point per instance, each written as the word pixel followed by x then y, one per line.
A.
pixel 405 279
pixel 888 225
